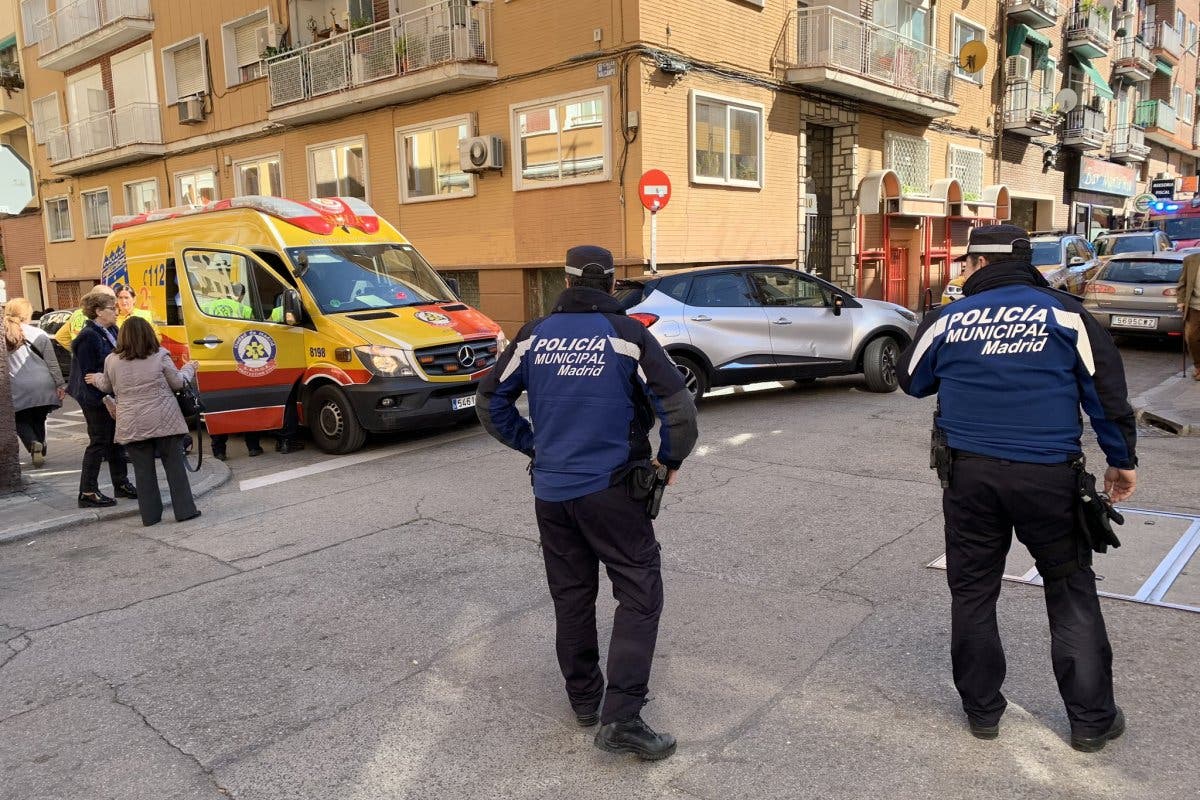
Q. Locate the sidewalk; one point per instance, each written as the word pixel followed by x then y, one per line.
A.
pixel 1173 405
pixel 48 501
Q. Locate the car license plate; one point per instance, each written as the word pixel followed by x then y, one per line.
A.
pixel 459 403
pixel 1135 322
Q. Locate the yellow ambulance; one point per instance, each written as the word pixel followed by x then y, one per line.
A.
pixel 321 305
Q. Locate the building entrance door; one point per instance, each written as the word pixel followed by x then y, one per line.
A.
pixel 818 228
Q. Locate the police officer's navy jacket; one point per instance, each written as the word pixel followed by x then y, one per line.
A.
pixel 1012 362
pixel 596 379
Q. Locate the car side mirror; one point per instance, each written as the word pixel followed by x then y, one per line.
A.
pixel 839 303
pixel 1075 261
pixel 293 309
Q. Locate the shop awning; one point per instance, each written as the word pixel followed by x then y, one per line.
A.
pixel 11 41
pixel 1019 36
pixel 1163 68
pixel 1094 75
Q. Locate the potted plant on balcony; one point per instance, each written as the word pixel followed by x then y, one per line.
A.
pixel 10 78
pixel 410 50
pixel 1096 7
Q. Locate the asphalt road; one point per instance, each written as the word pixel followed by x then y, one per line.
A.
pixel 378 626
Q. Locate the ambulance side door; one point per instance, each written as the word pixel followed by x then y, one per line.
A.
pixel 248 361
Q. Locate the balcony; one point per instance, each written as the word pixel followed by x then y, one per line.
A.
pixel 1158 119
pixel 1129 145
pixel 442 47
pixel 81 31
pixel 123 135
pixel 1083 129
pixel 1088 33
pixel 1132 60
pixel 1034 13
pixel 1165 42
pixel 833 51
pixel 1028 110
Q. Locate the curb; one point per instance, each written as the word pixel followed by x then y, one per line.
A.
pixel 1165 415
pixel 202 487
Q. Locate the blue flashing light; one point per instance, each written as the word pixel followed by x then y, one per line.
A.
pixel 1162 206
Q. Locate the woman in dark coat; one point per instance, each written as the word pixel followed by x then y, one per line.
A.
pixel 93 344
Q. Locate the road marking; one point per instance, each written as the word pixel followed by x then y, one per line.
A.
pixel 347 461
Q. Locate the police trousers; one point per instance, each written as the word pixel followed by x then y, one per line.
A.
pixel 576 535
pixel 987 499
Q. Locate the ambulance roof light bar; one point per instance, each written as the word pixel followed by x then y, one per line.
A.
pixel 320 215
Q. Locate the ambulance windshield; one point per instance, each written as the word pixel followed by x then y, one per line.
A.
pixel 368 276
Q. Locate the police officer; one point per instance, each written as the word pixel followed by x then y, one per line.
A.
pixel 596 379
pixel 1012 362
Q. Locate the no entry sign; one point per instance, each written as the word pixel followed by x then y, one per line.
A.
pixel 654 189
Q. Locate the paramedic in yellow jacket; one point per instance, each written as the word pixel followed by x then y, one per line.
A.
pixel 74 324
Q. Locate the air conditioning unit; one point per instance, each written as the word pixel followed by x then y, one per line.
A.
pixel 477 153
pixel 1016 68
pixel 268 36
pixel 191 109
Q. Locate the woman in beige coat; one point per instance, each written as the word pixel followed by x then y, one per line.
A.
pixel 140 373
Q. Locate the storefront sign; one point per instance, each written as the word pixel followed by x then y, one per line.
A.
pixel 1163 189
pixel 1188 184
pixel 1106 177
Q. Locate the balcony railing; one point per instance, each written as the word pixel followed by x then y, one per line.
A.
pixel 1132 57
pixel 1129 143
pixel 1089 33
pixel 134 124
pixel 832 39
pixel 1164 40
pixel 445 32
pixel 1155 114
pixel 1083 128
pixel 71 23
pixel 1028 109
pixel 1034 13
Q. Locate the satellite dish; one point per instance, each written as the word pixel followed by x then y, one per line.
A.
pixel 1066 100
pixel 973 56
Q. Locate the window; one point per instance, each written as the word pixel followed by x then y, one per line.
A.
pixel 33 11
pixel 788 288
pixel 727 139
pixel 46 117
pixel 185 69
pixel 468 284
pixel 97 213
pixel 1180 24
pixel 141 196
pixel 542 288
pixel 230 285
pixel 58 219
pixel 428 155
pixel 720 290
pixel 1048 75
pixel 966 166
pixel 561 140
pixel 1191 37
pixel 908 157
pixel 1176 98
pixel 966 31
pixel 362 12
pixel 1187 112
pixel 196 188
pixel 906 17
pixel 338 170
pixel 262 175
pixel 239 41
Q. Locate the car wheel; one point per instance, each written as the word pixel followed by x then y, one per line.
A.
pixel 879 364
pixel 694 376
pixel 331 419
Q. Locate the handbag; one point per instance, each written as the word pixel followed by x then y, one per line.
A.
pixel 191 406
pixel 189 401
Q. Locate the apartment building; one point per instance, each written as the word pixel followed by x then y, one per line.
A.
pixel 845 137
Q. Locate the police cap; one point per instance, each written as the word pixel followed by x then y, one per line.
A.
pixel 998 240
pixel 587 259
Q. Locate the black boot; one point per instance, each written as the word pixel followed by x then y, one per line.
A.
pixel 635 736
pixel 1090 744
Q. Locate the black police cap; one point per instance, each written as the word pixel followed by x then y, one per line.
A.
pixel 992 240
pixel 587 259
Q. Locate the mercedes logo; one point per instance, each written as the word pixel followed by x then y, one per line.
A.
pixel 466 356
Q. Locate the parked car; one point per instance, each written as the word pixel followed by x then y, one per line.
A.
pixel 735 325
pixel 1066 259
pixel 1135 294
pixel 1127 242
pixel 50 322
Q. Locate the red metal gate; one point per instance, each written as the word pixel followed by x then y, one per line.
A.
pixel 896 282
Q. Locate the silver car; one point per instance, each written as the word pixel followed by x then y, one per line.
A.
pixel 742 324
pixel 1135 294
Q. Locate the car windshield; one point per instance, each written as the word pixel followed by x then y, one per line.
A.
pixel 1182 228
pixel 1112 245
pixel 354 277
pixel 1046 254
pixel 1142 271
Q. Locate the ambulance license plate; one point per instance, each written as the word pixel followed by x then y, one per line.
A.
pixel 459 403
pixel 1135 322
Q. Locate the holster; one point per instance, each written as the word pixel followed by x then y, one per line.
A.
pixel 639 482
pixel 1094 512
pixel 941 458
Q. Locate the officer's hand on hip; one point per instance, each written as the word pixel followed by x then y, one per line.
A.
pixel 671 473
pixel 1119 483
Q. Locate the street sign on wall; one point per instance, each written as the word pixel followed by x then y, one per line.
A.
pixel 654 190
pixel 1163 189
pixel 16 181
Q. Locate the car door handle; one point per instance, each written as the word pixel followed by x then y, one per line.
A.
pixel 208 340
pixel 781 321
pixel 702 318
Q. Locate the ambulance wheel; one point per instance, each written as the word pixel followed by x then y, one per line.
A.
pixel 331 419
pixel 879 364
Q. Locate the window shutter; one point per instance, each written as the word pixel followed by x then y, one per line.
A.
pixel 45 117
pixel 33 11
pixel 245 43
pixel 189 70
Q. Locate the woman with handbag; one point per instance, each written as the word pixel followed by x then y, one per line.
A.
pixel 89 349
pixel 149 423
pixel 35 378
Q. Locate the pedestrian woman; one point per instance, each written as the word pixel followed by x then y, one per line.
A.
pixel 95 341
pixel 35 378
pixel 140 373
pixel 126 308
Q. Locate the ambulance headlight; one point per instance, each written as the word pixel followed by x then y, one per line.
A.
pixel 389 362
pixel 953 291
